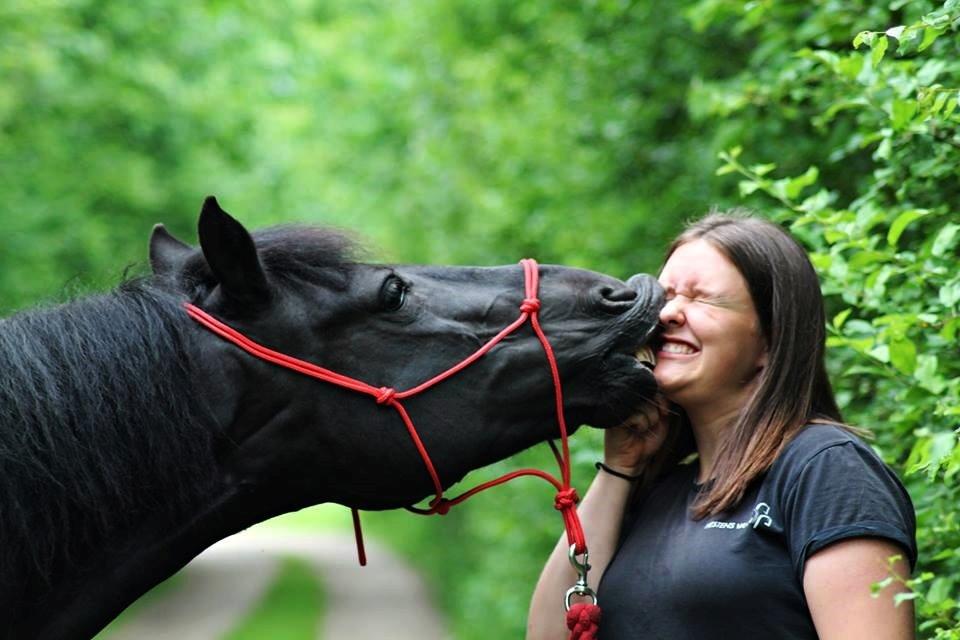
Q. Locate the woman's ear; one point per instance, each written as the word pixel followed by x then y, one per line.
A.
pixel 763 358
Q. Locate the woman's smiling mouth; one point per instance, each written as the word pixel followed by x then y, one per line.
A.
pixel 673 346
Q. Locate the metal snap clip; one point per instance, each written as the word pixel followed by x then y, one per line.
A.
pixel 580 587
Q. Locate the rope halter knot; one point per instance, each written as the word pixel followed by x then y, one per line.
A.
pixel 530 305
pixel 441 506
pixel 386 395
pixel 566 499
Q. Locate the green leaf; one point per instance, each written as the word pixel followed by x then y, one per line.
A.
pixel 930 36
pixel 939 102
pixel 725 169
pixel 821 261
pixel 795 186
pixel 950 294
pixel 908 41
pixel 901 223
pixel 951 106
pixel 936 20
pixel 864 258
pixel 864 37
pixel 926 374
pixel 763 169
pixel 884 149
pixel 945 239
pixel 943 555
pixel 951 329
pixel 881 352
pixel 879 49
pixel 903 355
pixel 930 70
pixel 895 32
pixel 840 318
pixel 817 202
pixel 901 113
pixel 877 587
pixel 941 446
pixel 833 236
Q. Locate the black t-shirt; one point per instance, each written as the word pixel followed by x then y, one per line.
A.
pixel 741 575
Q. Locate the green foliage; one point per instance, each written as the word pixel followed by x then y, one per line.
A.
pixel 882 228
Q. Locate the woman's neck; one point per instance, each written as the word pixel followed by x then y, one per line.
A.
pixel 709 427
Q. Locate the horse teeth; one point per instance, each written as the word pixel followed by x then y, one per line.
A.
pixel 645 356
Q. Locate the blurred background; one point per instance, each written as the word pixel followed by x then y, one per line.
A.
pixel 482 131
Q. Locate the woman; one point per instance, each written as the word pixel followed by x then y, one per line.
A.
pixel 781 523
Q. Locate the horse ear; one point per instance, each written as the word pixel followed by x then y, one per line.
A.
pixel 232 255
pixel 167 253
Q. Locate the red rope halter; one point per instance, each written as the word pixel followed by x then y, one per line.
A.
pixel 566 498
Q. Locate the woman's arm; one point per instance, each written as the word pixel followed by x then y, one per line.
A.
pixel 627 449
pixel 836 582
pixel 601 513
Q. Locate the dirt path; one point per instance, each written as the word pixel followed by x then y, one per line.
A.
pixel 386 599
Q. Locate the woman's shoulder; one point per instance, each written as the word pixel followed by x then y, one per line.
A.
pixel 829 449
pixel 818 437
pixel 831 485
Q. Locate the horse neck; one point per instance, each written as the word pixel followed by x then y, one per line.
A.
pixel 104 445
pixel 82 607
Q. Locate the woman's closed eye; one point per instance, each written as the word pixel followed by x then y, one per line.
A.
pixel 689 296
pixel 702 297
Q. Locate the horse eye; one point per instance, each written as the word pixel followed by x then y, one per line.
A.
pixel 393 293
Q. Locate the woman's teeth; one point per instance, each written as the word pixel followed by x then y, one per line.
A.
pixel 676 347
pixel 646 356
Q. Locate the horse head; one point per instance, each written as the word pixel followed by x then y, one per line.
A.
pixel 297 291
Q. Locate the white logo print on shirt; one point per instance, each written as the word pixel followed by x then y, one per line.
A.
pixel 759 518
pixel 761 515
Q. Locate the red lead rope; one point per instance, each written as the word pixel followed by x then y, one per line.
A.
pixel 566 498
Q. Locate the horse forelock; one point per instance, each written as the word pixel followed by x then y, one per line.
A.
pixel 307 253
pixel 101 427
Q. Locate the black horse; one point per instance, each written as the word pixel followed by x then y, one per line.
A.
pixel 131 438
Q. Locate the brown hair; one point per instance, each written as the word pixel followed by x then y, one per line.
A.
pixel 792 390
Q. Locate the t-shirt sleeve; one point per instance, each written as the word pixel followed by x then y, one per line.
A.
pixel 846 491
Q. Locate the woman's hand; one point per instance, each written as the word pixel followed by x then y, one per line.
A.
pixel 627 448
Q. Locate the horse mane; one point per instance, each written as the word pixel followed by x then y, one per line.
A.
pixel 102 424
pixel 101 427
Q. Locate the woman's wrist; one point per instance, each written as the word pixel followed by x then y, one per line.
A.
pixel 629 475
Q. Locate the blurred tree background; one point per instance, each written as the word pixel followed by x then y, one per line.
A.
pixel 481 131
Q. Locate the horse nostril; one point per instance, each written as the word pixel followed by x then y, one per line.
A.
pixel 621 293
pixel 616 298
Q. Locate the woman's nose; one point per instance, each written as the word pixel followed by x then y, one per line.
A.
pixel 672 312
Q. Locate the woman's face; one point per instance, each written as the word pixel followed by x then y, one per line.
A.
pixel 712 344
